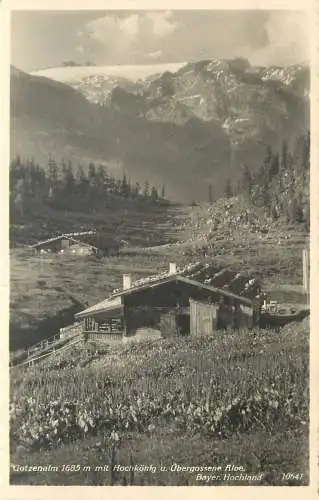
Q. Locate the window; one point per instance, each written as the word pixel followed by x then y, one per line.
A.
pixel 89 323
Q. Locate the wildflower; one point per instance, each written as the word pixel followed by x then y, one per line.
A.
pixel 274 404
pixel 114 436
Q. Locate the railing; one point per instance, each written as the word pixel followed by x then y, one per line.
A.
pixel 55 350
pixel 43 344
pixel 45 348
pixel 65 347
pixel 75 328
pixel 105 337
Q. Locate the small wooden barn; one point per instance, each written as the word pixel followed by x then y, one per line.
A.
pixel 64 244
pixel 83 243
pixel 167 306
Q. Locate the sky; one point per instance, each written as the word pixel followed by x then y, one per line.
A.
pixel 41 39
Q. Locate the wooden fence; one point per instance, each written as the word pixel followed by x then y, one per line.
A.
pixel 42 345
pixel 71 330
pixel 55 349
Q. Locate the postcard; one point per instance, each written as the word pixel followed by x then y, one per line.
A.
pixel 160 265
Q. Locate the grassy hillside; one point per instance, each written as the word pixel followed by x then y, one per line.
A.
pixel 232 233
pixel 237 399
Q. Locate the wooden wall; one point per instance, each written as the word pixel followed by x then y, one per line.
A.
pixel 245 317
pixel 78 249
pixel 170 294
pixel 167 308
pixel 203 318
pixel 227 316
pixel 103 325
pixel 112 339
pixel 65 243
pixel 206 318
pixel 143 317
pixel 168 324
pixel 174 308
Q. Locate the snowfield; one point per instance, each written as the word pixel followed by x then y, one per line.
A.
pixel 132 72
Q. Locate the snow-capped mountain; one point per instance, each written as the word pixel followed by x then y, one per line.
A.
pixel 97 82
pixel 200 122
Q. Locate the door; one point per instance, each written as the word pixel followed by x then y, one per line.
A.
pixel 65 244
pixel 183 323
pixel 168 325
pixel 202 318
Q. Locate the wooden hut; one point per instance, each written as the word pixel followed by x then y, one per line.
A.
pixel 64 244
pixel 83 243
pixel 167 306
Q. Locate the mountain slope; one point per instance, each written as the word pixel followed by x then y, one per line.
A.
pixel 48 116
pixel 247 99
pixel 250 104
pixel 186 129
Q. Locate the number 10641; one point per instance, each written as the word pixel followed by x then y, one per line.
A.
pixel 292 476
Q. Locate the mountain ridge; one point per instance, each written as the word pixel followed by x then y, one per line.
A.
pixel 199 124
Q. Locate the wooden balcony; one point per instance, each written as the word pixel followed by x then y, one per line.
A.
pixel 111 338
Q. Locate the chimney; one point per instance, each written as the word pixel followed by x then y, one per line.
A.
pixel 126 281
pixel 172 268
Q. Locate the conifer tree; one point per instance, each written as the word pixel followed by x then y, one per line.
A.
pixel 210 193
pixel 53 175
pixel 273 167
pixel 154 194
pixel 137 189
pixel 284 156
pixel 69 177
pixel 146 190
pixel 228 189
pixel 124 186
pixel 92 174
pixel 100 176
pixel 247 182
pixel 81 180
pixel 306 151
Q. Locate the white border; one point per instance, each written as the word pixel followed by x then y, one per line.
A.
pixel 48 492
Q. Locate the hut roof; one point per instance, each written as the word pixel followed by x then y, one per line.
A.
pixel 103 306
pixel 114 301
pixel 243 283
pixel 183 279
pixel 61 237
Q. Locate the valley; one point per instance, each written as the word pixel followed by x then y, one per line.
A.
pixel 239 396
pixel 201 123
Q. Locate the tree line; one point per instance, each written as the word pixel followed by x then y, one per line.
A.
pixel 280 184
pixel 64 187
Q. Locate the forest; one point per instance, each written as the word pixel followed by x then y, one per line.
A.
pixel 62 187
pixel 280 184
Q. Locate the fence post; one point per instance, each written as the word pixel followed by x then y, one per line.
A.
pixel 305 270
